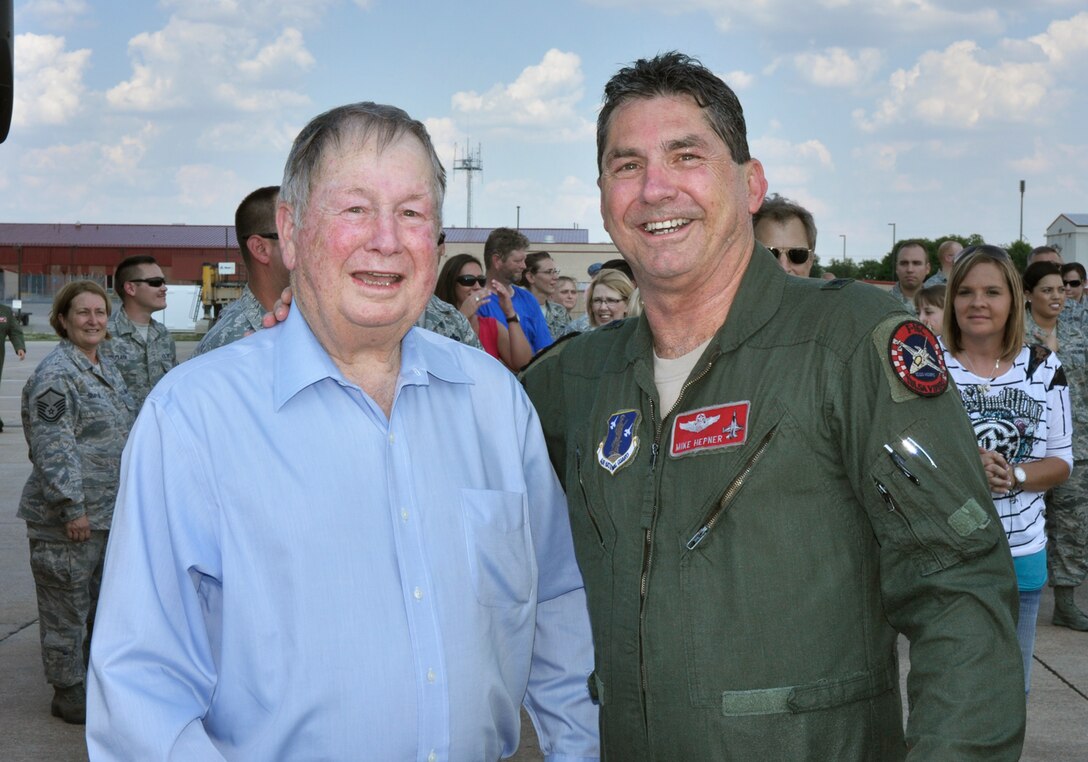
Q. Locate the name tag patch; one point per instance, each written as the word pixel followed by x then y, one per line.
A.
pixel 710 428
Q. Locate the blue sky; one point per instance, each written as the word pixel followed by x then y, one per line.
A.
pixel 925 113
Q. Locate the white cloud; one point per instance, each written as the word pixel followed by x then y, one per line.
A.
pixel 961 87
pixel 541 103
pixel 1065 42
pixel 199 64
pixel 55 14
pixel 738 80
pixel 49 80
pixel 835 67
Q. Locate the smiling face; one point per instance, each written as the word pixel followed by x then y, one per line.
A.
pixel 85 321
pixel 1047 298
pixel 675 203
pixel 607 304
pixel 982 303
pixel 545 279
pixel 364 257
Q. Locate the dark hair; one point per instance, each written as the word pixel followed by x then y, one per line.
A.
pixel 671 74
pixel 62 302
pixel 360 123
pixel 1013 339
pixel 1076 267
pixel 780 209
pixel 533 261
pixel 1039 270
pixel 501 242
pixel 447 277
pixel 127 270
pixel 256 215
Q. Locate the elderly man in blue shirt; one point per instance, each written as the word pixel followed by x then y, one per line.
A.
pixel 383 568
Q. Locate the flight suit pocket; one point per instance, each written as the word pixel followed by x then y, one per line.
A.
pixel 500 557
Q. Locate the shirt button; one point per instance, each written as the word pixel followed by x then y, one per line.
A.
pixel 430 676
pixel 418 594
pixel 404 514
pixel 392 438
pixel 432 757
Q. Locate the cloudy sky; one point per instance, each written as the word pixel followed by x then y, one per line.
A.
pixel 925 113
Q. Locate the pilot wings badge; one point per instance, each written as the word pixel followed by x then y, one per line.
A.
pixel 620 443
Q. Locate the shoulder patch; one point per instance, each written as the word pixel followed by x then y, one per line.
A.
pixel 50 405
pixel 917 360
pixel 837 284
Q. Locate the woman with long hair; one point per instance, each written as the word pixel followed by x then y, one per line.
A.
pixel 541 278
pixel 461 283
pixel 1018 401
pixel 607 297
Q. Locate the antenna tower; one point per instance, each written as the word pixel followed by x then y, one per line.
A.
pixel 468 163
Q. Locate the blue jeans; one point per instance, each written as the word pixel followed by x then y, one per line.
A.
pixel 1025 630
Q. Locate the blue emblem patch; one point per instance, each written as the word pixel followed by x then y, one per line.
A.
pixel 620 443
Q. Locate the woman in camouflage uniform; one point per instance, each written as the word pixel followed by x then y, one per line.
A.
pixel 76 416
pixel 541 277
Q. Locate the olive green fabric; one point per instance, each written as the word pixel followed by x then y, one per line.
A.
pixel 773 637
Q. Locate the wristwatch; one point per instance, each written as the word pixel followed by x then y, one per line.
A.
pixel 1020 475
pixel 512 318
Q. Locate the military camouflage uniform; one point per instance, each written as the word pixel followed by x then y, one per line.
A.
pixel 557 318
pixel 9 329
pixel 239 318
pixel 898 294
pixel 937 279
pixel 76 417
pixel 446 320
pixel 1067 504
pixel 142 363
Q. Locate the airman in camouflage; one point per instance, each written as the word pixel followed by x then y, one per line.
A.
pixel 142 362
pixel 237 320
pixel 557 318
pixel 10 330
pixel 446 320
pixel 1067 504
pixel 76 418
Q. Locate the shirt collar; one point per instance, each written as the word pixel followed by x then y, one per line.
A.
pixel 299 360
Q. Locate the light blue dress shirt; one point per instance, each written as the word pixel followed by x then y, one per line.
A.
pixel 292 576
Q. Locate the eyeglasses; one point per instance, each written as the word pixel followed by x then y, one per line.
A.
pixel 1072 283
pixel 549 271
pixel 611 301
pixel 270 236
pixel 797 254
pixel 470 280
pixel 153 282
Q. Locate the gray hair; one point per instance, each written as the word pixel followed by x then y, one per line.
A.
pixel 358 122
pixel 670 74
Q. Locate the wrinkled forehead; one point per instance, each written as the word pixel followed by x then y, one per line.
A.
pixel 354 142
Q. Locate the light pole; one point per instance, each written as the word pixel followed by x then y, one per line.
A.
pixel 893 235
pixel 843 237
pixel 1021 210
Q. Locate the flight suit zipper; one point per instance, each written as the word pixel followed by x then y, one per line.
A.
pixel 730 492
pixel 648 541
pixel 585 497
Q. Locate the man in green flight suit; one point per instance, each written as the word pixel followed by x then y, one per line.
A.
pixel 767 480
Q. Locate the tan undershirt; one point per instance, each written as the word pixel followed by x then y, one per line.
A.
pixel 670 375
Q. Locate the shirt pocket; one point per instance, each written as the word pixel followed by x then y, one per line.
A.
pixel 500 559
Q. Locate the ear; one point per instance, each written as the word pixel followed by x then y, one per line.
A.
pixel 757 184
pixel 285 225
pixel 130 288
pixel 259 249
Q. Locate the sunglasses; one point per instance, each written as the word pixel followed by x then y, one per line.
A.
pixel 1072 283
pixel 153 282
pixel 470 280
pixel 797 255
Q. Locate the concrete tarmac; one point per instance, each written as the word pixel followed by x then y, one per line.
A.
pixel 1057 729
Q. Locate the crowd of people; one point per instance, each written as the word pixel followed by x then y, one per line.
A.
pixel 692 527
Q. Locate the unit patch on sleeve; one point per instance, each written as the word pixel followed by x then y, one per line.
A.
pixel 917 360
pixel 51 405
pixel 709 428
pixel 620 442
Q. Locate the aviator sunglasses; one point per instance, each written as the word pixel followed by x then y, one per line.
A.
pixel 468 280
pixel 797 254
